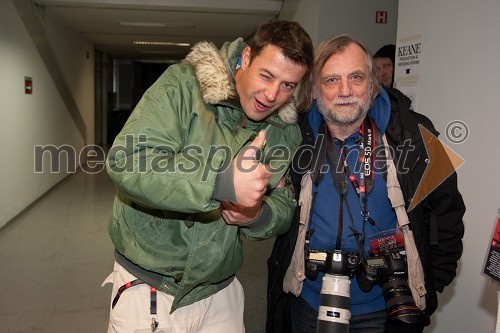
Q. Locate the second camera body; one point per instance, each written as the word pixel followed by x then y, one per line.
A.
pixel 389 270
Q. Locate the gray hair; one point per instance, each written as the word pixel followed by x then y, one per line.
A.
pixel 336 45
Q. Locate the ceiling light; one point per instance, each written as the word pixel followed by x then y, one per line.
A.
pixel 143 24
pixel 158 52
pixel 139 42
pixel 157 25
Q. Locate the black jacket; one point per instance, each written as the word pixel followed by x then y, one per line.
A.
pixel 436 221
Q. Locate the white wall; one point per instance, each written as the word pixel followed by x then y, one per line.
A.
pixel 41 118
pixel 459 80
pixel 75 56
pixel 323 19
pixel 307 13
pixel 357 18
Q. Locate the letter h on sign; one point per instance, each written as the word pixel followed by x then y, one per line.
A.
pixel 381 17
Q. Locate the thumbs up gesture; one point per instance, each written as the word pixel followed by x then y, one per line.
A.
pixel 250 179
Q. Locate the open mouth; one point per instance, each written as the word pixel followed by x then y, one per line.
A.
pixel 260 106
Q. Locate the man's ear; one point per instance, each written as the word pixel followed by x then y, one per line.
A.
pixel 245 57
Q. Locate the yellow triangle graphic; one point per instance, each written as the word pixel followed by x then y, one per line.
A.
pixel 443 161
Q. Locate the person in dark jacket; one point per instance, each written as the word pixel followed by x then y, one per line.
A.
pixel 384 63
pixel 341 179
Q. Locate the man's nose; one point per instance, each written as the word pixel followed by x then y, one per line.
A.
pixel 271 92
pixel 345 88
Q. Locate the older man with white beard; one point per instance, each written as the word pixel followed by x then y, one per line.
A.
pixel 345 208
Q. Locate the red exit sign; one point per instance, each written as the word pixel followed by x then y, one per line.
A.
pixel 381 17
pixel 28 85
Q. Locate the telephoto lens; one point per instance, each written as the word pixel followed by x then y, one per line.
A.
pixel 334 304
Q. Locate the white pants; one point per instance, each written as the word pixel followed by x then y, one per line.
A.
pixel 219 313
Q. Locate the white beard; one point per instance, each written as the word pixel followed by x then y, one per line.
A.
pixel 334 114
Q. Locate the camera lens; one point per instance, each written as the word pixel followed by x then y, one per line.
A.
pixel 400 304
pixel 334 304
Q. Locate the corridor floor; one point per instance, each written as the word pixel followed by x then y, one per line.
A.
pixel 55 255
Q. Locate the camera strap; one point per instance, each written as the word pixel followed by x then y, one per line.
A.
pixel 340 184
pixel 341 170
pixel 153 300
pixel 326 150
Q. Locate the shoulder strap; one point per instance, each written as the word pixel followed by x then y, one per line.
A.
pixel 318 157
pixel 415 269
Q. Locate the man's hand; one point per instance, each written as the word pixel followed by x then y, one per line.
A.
pixel 250 184
pixel 238 214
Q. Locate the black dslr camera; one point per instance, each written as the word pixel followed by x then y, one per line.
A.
pixel 331 262
pixel 389 270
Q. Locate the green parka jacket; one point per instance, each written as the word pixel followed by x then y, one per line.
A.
pixel 165 163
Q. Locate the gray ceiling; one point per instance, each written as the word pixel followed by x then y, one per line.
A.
pixel 179 21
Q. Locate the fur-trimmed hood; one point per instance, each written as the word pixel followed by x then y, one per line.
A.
pixel 215 70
